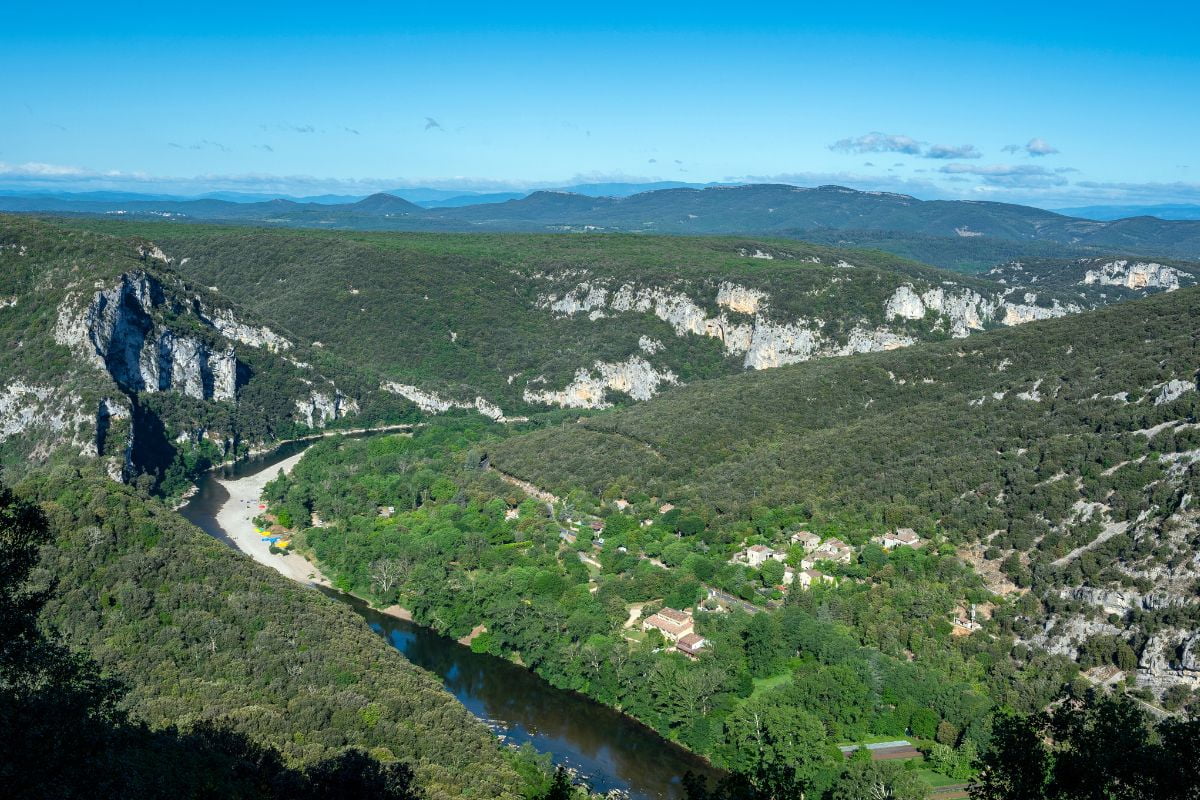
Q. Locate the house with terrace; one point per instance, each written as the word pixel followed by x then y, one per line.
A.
pixel 671 623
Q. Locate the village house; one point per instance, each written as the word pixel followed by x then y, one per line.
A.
pixel 789 576
pixel 665 508
pixel 622 504
pixel 901 537
pixel 672 623
pixel 810 576
pixel 691 645
pixel 756 555
pixel 836 550
pixel 809 541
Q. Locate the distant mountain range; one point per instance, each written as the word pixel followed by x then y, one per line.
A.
pixel 758 209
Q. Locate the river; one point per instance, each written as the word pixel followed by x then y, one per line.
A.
pixel 608 750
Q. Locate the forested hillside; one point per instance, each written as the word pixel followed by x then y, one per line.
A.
pixel 422 521
pixel 508 324
pixel 1059 457
pixel 66 734
pixel 109 353
pixel 204 637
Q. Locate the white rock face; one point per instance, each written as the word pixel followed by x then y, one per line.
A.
pixel 231 327
pixel 967 310
pixel 1019 313
pixel 755 253
pixel 1173 390
pixel 56 414
pixel 1135 275
pixel 117 333
pixel 763 343
pixel 645 344
pixel 153 251
pixel 739 298
pixel 434 403
pixel 321 408
pixel 904 302
pixel 634 376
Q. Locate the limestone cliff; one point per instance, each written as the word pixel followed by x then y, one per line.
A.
pixel 321 408
pixel 744 325
pixel 1135 275
pixel 965 310
pixel 589 389
pixel 118 331
pixel 433 403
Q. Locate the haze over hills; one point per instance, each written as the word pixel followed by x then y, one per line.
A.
pixel 762 209
pixel 1111 212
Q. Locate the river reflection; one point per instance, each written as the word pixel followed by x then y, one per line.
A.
pixel 609 750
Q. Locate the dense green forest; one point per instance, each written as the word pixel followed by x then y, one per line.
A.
pixel 1055 456
pixel 423 522
pixel 201 637
pixel 963 437
pixel 88 319
pixel 66 734
pixel 466 315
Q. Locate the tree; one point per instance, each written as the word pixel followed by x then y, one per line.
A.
pixel 1018 764
pixel 764 645
pixel 772 572
pixel 560 787
pixel 864 779
pixel 765 734
pixel 386 573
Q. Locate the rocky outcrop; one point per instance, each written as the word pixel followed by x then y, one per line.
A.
pixel 1170 658
pixel 433 403
pixel 761 341
pixel 1136 275
pixel 1118 602
pixel 740 299
pixel 118 332
pixel 966 310
pixel 321 408
pixel 589 389
pixel 646 345
pixel 108 412
pixel 229 326
pixel 25 406
pixel 1173 390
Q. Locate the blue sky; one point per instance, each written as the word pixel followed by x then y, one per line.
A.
pixel 1052 103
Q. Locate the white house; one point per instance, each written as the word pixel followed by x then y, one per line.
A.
pixel 809 541
pixel 901 537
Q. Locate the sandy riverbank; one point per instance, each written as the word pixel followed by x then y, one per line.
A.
pixel 236 518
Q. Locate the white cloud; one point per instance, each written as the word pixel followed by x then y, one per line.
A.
pixel 1040 147
pixel 953 151
pixel 1035 147
pixel 877 142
